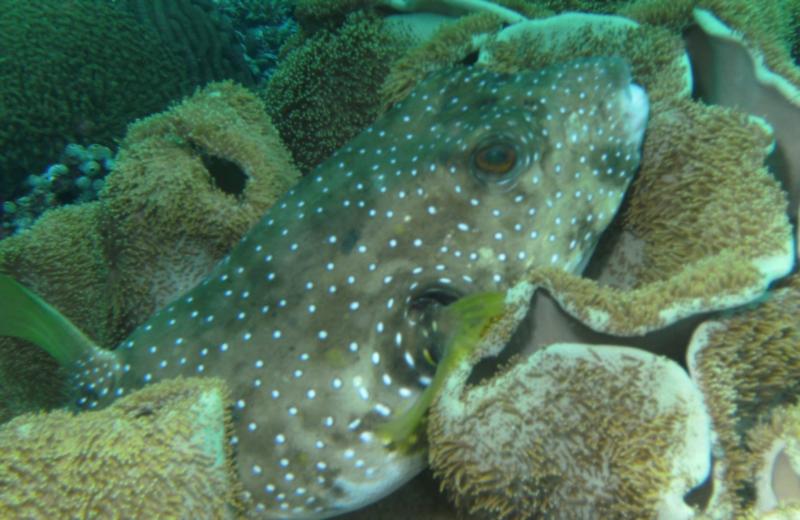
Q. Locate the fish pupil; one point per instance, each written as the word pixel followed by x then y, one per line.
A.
pixel 494 160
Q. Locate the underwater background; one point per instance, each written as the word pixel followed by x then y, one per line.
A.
pixel 650 370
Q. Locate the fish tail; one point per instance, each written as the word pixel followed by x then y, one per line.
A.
pixel 25 315
pixel 469 318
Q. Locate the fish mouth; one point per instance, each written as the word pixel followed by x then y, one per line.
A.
pixel 424 310
pixel 435 294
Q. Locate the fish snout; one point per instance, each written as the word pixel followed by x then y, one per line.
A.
pixel 635 111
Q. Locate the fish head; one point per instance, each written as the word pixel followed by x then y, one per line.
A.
pixel 524 169
pixel 494 174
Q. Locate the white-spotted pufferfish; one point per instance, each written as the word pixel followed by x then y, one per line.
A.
pixel 318 318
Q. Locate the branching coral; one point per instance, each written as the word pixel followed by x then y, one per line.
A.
pixel 160 451
pixel 76 179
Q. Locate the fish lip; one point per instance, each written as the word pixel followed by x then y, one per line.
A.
pixel 434 293
pixel 423 309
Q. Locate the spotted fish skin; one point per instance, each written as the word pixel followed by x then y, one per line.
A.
pixel 472 180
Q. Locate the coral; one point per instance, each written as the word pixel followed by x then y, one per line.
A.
pixel 576 432
pixel 269 12
pixel 719 245
pixel 657 57
pixel 314 15
pixel 195 30
pixel 263 27
pixel 754 49
pixel 762 81
pixel 593 6
pixel 77 179
pixel 450 44
pixel 162 450
pixel 466 319
pixel 67 80
pixel 748 366
pixel 769 27
pixel 326 91
pixel 457 7
pixel 775 461
pixel 225 164
pixel 741 55
pixel 187 185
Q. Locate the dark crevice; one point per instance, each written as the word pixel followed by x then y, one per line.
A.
pixel 470 59
pixel 226 175
pixel 489 367
pixel 699 496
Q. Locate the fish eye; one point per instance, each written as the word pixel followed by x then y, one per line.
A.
pixel 494 160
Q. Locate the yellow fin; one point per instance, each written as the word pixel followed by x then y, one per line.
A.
pixel 25 315
pixel 470 318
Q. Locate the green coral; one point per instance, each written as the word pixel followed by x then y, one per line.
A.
pixel 327 90
pixel 315 14
pixel 74 71
pixel 594 6
pixel 196 30
pixel 257 12
pixel 161 452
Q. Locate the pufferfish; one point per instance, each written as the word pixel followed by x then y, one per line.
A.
pixel 320 318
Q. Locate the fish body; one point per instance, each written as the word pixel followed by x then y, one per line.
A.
pixel 314 319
